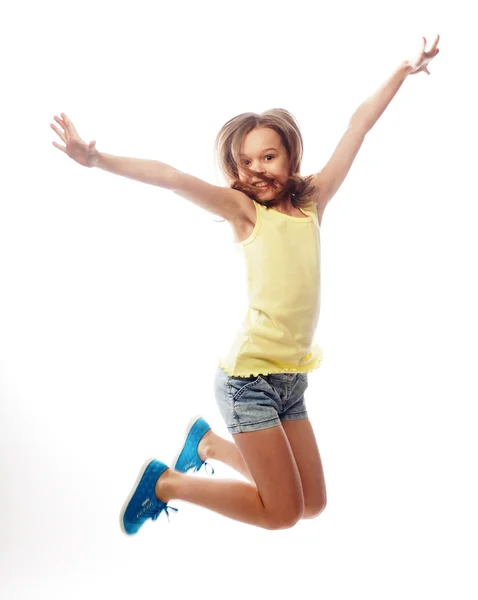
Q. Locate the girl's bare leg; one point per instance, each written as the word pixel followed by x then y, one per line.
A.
pixel 304 446
pixel 276 501
pixel 215 447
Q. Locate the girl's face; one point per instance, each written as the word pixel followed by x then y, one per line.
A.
pixel 262 151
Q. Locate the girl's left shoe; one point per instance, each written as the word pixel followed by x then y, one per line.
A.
pixel 187 457
pixel 142 504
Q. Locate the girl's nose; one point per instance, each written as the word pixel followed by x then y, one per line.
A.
pixel 259 169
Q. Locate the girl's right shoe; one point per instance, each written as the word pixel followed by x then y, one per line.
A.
pixel 187 457
pixel 142 504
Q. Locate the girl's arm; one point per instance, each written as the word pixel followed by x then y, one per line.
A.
pixel 364 118
pixel 221 201
pixel 148 171
pixel 368 113
pixel 329 180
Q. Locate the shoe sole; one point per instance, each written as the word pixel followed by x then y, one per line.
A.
pixel 133 490
pixel 186 433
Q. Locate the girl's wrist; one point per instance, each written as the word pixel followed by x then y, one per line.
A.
pixel 407 67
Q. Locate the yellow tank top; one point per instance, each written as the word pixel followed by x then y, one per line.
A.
pixel 282 265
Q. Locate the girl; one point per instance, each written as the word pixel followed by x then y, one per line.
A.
pixel 260 382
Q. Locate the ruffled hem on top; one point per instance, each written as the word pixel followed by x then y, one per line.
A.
pixel 313 367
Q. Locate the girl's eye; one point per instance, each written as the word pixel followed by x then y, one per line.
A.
pixel 267 156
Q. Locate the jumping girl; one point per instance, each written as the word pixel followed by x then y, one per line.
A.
pixel 276 215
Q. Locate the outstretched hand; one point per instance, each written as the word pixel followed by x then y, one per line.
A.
pixel 81 152
pixel 420 62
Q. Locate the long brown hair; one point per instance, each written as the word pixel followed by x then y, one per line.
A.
pixel 227 150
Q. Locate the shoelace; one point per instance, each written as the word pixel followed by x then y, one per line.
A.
pixel 206 464
pixel 155 512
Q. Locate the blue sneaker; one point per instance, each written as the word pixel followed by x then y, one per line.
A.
pixel 142 503
pixel 188 458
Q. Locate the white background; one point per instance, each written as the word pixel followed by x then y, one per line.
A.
pixel 115 296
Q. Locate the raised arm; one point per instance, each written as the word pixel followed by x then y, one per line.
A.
pixel 364 118
pixel 221 201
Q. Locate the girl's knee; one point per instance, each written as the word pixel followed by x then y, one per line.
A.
pixel 284 521
pixel 311 512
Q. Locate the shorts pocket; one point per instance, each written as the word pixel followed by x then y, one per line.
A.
pixel 301 384
pixel 303 377
pixel 238 385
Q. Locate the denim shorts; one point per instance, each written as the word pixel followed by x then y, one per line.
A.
pixel 253 403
